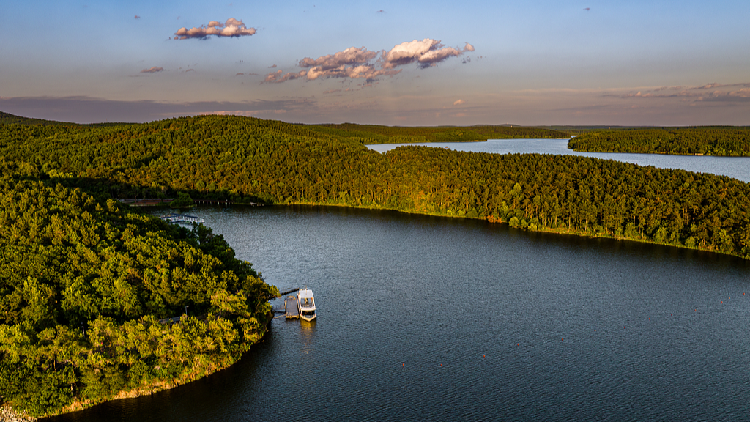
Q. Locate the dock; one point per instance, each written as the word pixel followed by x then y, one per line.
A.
pixel 181 218
pixel 290 307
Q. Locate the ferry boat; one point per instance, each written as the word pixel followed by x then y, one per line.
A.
pixel 306 304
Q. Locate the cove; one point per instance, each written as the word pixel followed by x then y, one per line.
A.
pixel 430 318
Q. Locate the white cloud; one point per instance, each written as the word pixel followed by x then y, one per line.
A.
pixel 356 63
pixel 458 102
pixel 231 28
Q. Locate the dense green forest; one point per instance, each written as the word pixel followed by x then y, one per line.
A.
pixel 84 282
pixel 373 134
pixel 84 285
pixel 248 159
pixel 707 140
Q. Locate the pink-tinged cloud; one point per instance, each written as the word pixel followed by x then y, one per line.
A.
pixel 426 52
pixel 458 102
pixel 366 71
pixel 231 28
pixel 350 56
pixel 155 69
pixel 357 63
pixel 279 76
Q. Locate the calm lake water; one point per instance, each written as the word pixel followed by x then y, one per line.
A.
pixel 737 167
pixel 434 319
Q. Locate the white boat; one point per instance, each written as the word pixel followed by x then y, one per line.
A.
pixel 306 304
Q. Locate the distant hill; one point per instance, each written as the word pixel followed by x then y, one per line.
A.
pixel 7 118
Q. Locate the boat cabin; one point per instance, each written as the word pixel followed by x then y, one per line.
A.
pixel 306 304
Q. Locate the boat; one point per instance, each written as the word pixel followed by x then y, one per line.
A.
pixel 306 304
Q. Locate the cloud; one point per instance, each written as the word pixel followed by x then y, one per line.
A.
pixel 350 56
pixel 458 102
pixel 231 28
pixel 426 52
pixel 279 76
pixel 155 69
pixel 714 93
pixel 359 63
pixel 137 17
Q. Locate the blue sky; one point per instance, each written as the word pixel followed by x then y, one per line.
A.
pixel 526 62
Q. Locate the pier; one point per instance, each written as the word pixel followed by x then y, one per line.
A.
pixel 181 218
pixel 290 307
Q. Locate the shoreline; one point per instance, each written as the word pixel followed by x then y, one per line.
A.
pixel 490 219
pixel 7 414
pixel 145 390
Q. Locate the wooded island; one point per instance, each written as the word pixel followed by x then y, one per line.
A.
pixel 702 140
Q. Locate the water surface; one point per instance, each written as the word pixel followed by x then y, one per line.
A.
pixel 737 167
pixel 426 318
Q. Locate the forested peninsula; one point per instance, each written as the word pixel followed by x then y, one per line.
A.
pixel 85 281
pixel 93 298
pixel 703 140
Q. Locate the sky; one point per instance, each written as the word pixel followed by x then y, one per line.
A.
pixel 543 62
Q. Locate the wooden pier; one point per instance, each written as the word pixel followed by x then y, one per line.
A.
pixel 182 218
pixel 290 307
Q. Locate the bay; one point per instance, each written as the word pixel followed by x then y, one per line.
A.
pixel 432 318
pixel 736 167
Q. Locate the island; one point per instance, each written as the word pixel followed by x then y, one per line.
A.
pixel 701 140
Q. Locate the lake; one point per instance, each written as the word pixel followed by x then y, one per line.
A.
pixel 424 318
pixel 737 167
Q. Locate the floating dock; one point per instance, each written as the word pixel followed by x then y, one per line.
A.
pixel 181 218
pixel 290 307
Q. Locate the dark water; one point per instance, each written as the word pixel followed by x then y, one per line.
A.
pixel 737 167
pixel 434 319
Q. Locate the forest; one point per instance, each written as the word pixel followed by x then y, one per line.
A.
pixel 374 134
pixel 702 140
pixel 86 283
pixel 98 302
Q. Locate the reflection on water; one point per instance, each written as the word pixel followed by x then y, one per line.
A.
pixel 737 167
pixel 439 319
